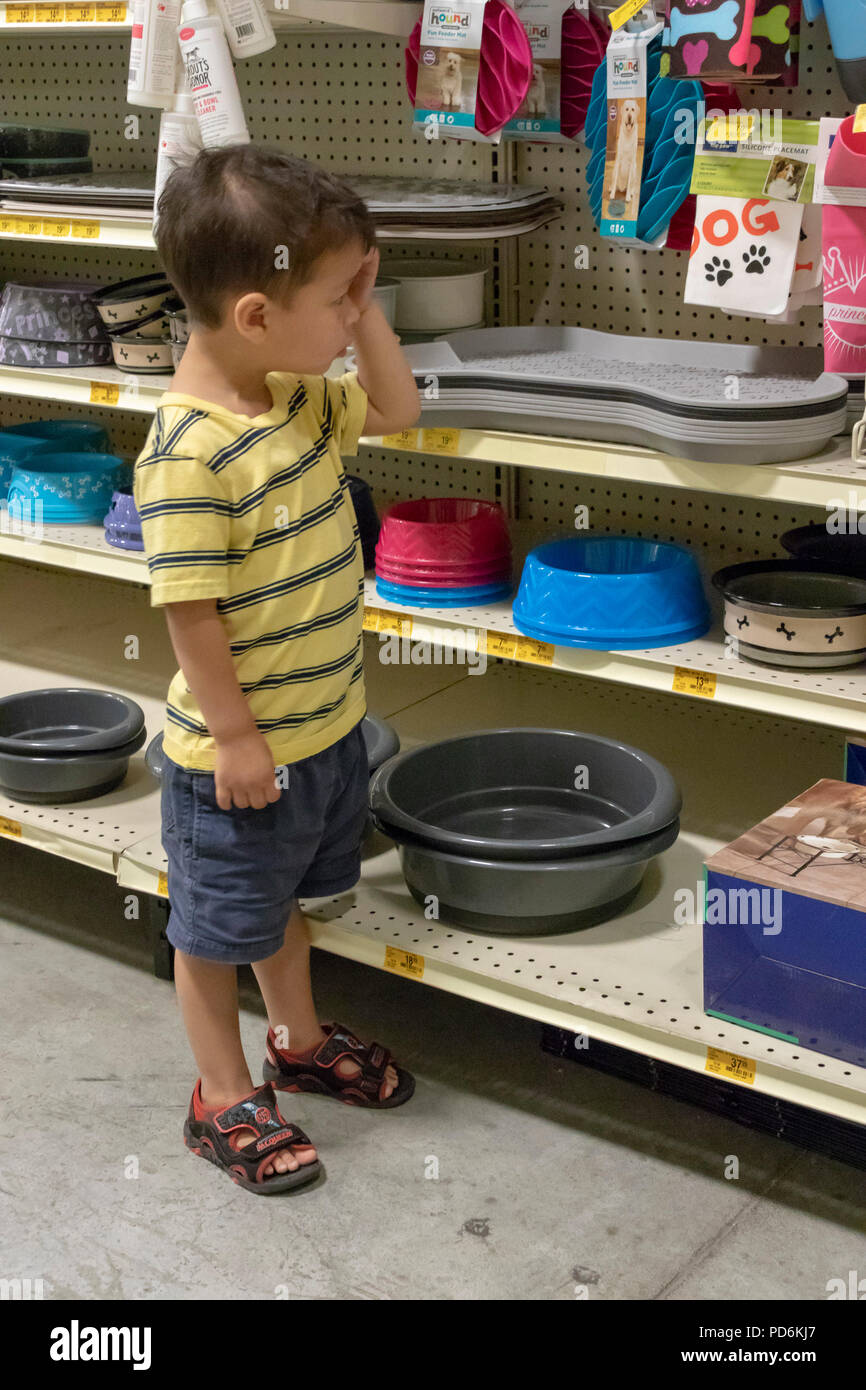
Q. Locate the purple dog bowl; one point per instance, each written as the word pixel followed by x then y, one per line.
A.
pixel 122 522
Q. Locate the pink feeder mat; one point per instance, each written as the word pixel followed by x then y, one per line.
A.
pixel 584 44
pixel 505 70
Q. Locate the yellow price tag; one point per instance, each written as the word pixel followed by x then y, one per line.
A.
pixel 729 1065
pixel 538 653
pixel 501 644
pixel 10 827
pixel 440 441
pixel 20 14
pixel 52 14
pixel 371 620
pixel 404 962
pixel 406 439
pixel 52 228
pixel 394 623
pixel 30 226
pixel 86 230
pixel 694 682
pixel 80 14
pixel 738 126
pixel 9 225
pixel 860 120
pixel 110 14
pixel 104 393
pixel 625 12
pixel 162 884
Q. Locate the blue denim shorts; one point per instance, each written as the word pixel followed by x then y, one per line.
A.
pixel 234 875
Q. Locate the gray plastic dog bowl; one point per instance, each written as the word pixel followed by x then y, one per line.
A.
pixel 518 794
pixel 381 740
pixel 67 720
pixel 537 898
pixel 56 779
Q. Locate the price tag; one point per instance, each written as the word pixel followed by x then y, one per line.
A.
pixel 162 884
pixel 30 226
pixel 80 14
pixel 10 827
pixel 729 1065
pixel 20 14
pixel 625 12
pixel 104 393
pixel 52 228
pixel 110 13
pixel 393 622
pixel 86 230
pixel 538 653
pixel 52 14
pixel 371 620
pixel 501 644
pixel 404 962
pixel 440 441
pixel 9 225
pixel 860 120
pixel 694 682
pixel 406 439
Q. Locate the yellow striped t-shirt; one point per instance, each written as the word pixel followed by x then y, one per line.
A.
pixel 256 513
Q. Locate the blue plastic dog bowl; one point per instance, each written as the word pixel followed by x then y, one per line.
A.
pixel 80 435
pixel 611 593
pixel 14 448
pixel 68 487
pixel 444 597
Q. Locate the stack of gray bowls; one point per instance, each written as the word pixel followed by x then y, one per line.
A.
pixel 526 832
pixel 66 744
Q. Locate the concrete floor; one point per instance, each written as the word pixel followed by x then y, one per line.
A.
pixel 554 1181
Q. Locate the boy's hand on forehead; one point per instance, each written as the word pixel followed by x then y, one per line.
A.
pixel 361 288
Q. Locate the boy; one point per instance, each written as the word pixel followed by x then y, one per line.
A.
pixel 252 547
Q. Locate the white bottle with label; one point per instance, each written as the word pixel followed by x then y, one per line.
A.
pixel 153 53
pixel 247 27
pixel 179 143
pixel 210 76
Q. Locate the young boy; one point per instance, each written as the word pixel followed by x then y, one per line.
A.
pixel 253 549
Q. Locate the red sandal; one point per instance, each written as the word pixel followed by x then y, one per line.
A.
pixel 317 1072
pixel 213 1135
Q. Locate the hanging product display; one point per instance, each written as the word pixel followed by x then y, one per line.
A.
pixel 845 255
pixel 153 53
pixel 468 79
pixel 584 40
pixel 210 76
pixel 178 143
pixel 538 117
pixel 247 27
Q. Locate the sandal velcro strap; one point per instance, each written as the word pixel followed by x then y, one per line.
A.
pixel 257 1112
pixel 341 1043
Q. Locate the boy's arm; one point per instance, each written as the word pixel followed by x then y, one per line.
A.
pixel 393 400
pixel 244 773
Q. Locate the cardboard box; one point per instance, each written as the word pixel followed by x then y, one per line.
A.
pixel 785 924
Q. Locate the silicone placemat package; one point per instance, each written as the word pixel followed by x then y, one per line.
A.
pixel 751 154
pixel 626 134
pixel 538 117
pixel 446 91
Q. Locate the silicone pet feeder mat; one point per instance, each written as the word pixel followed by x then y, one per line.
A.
pixel 505 67
pixel 584 43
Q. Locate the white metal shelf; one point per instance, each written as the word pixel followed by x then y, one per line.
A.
pixel 830 478
pixel 830 697
pixel 635 981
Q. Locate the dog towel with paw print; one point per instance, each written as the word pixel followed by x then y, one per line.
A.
pixel 744 252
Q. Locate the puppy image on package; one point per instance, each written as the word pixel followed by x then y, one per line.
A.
pixel 536 100
pixel 624 180
pixel 451 82
pixel 785 179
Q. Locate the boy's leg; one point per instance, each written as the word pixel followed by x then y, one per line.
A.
pixel 208 994
pixel 284 980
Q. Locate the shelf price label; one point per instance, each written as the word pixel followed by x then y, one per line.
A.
pixel 30 226
pixel 9 226
pixel 162 884
pixel 80 14
pixel 503 644
pixel 395 623
pixel 20 14
pixel 371 619
pixel 51 227
pixel 9 827
pixel 537 653
pixel 731 1066
pixel 440 441
pixel 404 962
pixel 688 682
pixel 406 439
pixel 110 13
pixel 104 393
pixel 88 231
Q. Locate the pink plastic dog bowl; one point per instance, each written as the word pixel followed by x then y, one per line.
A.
pixel 437 531
pixel 463 578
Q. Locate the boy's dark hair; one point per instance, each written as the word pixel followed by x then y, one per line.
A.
pixel 223 220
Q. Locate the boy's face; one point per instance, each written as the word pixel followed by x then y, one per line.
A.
pixel 317 325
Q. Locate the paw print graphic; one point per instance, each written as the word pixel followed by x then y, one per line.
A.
pixel 756 260
pixel 719 271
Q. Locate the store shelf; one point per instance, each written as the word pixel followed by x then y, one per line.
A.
pixel 634 982
pixel 104 386
pixel 836 697
pixel 393 17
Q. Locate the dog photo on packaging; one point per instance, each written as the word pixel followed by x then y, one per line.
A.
pixel 623 170
pixel 785 178
pixel 537 99
pixel 447 80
